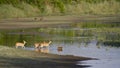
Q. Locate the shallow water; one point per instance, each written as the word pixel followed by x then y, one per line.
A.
pixel 109 57
pixel 86 42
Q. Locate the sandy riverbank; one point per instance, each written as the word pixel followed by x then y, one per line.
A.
pixel 19 58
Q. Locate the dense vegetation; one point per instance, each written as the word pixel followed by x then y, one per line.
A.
pixel 27 8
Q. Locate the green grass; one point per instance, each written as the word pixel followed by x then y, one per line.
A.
pixel 26 9
pixel 21 10
pixel 13 52
pixel 103 8
pixel 8 11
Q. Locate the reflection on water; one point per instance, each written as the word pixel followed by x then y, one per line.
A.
pixel 42 50
pixel 89 42
pixel 108 56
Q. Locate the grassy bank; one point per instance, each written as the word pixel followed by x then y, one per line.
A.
pixel 20 58
pixel 28 8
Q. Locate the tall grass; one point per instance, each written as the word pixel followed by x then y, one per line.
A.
pixel 7 11
pixel 102 8
pixel 20 10
pixel 27 8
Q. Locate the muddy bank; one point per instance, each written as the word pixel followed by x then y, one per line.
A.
pixel 52 21
pixel 19 58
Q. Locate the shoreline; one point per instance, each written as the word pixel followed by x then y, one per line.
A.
pixel 19 58
pixel 50 21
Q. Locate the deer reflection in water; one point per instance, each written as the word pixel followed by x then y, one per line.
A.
pixel 42 50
